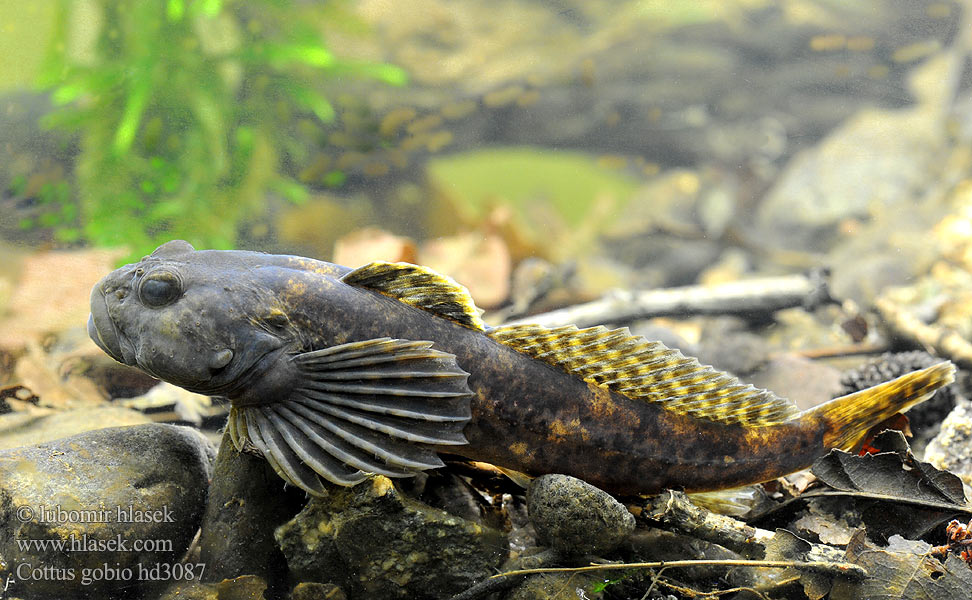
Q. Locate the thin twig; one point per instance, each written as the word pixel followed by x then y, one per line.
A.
pixel 746 297
pixel 497 583
pixel 831 568
pixel 693 593
pixel 844 350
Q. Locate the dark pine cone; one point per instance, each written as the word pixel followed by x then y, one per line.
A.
pixel 925 417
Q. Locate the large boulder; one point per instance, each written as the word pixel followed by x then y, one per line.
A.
pixel 102 511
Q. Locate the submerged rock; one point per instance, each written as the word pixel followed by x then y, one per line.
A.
pixel 376 543
pixel 576 518
pixel 247 501
pixel 557 586
pixel 836 181
pixel 195 590
pixel 951 449
pixel 23 429
pixel 317 591
pixel 113 503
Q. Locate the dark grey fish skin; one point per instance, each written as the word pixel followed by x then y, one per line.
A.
pixel 331 381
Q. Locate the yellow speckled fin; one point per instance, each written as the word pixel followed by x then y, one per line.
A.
pixel 734 502
pixel 849 417
pixel 638 368
pixel 421 287
pixel 521 479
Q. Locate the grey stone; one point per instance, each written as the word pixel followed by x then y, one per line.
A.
pixel 121 500
pixel 804 382
pixel 317 591
pixel 739 352
pixel 575 517
pixel 244 587
pixel 23 429
pixel 891 249
pixel 378 544
pixel 247 501
pixel 557 586
pixel 877 158
pixel 192 590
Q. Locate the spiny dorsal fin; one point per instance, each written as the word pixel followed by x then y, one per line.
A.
pixel 637 368
pixel 421 287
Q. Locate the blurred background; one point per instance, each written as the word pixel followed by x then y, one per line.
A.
pixel 541 152
pixel 545 154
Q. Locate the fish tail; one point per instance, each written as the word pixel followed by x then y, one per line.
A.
pixel 849 418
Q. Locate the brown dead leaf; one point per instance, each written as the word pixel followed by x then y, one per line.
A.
pixel 38 371
pixel 479 261
pixel 52 293
pixel 786 545
pixel 370 244
pixel 894 492
pixel 903 570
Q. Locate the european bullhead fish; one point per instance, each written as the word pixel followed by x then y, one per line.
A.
pixel 334 373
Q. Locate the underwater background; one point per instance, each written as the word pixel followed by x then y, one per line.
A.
pixel 546 154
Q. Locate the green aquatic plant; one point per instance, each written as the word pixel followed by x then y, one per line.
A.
pixel 189 113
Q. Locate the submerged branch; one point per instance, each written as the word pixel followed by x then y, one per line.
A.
pixel 945 342
pixel 747 297
pixel 677 512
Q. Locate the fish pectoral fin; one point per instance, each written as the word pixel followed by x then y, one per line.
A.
pixel 236 428
pixel 377 406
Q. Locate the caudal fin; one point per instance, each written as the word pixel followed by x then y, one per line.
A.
pixel 850 417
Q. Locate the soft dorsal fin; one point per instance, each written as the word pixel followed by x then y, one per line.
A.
pixel 421 287
pixel 638 368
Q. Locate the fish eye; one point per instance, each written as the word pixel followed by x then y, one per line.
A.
pixel 160 288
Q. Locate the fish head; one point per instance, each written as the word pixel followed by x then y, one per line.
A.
pixel 191 318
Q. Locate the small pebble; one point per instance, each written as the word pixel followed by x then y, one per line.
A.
pixel 576 518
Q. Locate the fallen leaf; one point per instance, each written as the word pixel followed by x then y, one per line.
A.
pixel 786 545
pixel 915 496
pixel 904 570
pixel 479 261
pixel 896 421
pixel 371 244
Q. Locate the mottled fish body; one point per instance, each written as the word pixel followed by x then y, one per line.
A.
pixel 334 373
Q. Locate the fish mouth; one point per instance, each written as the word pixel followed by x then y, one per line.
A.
pixel 102 330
